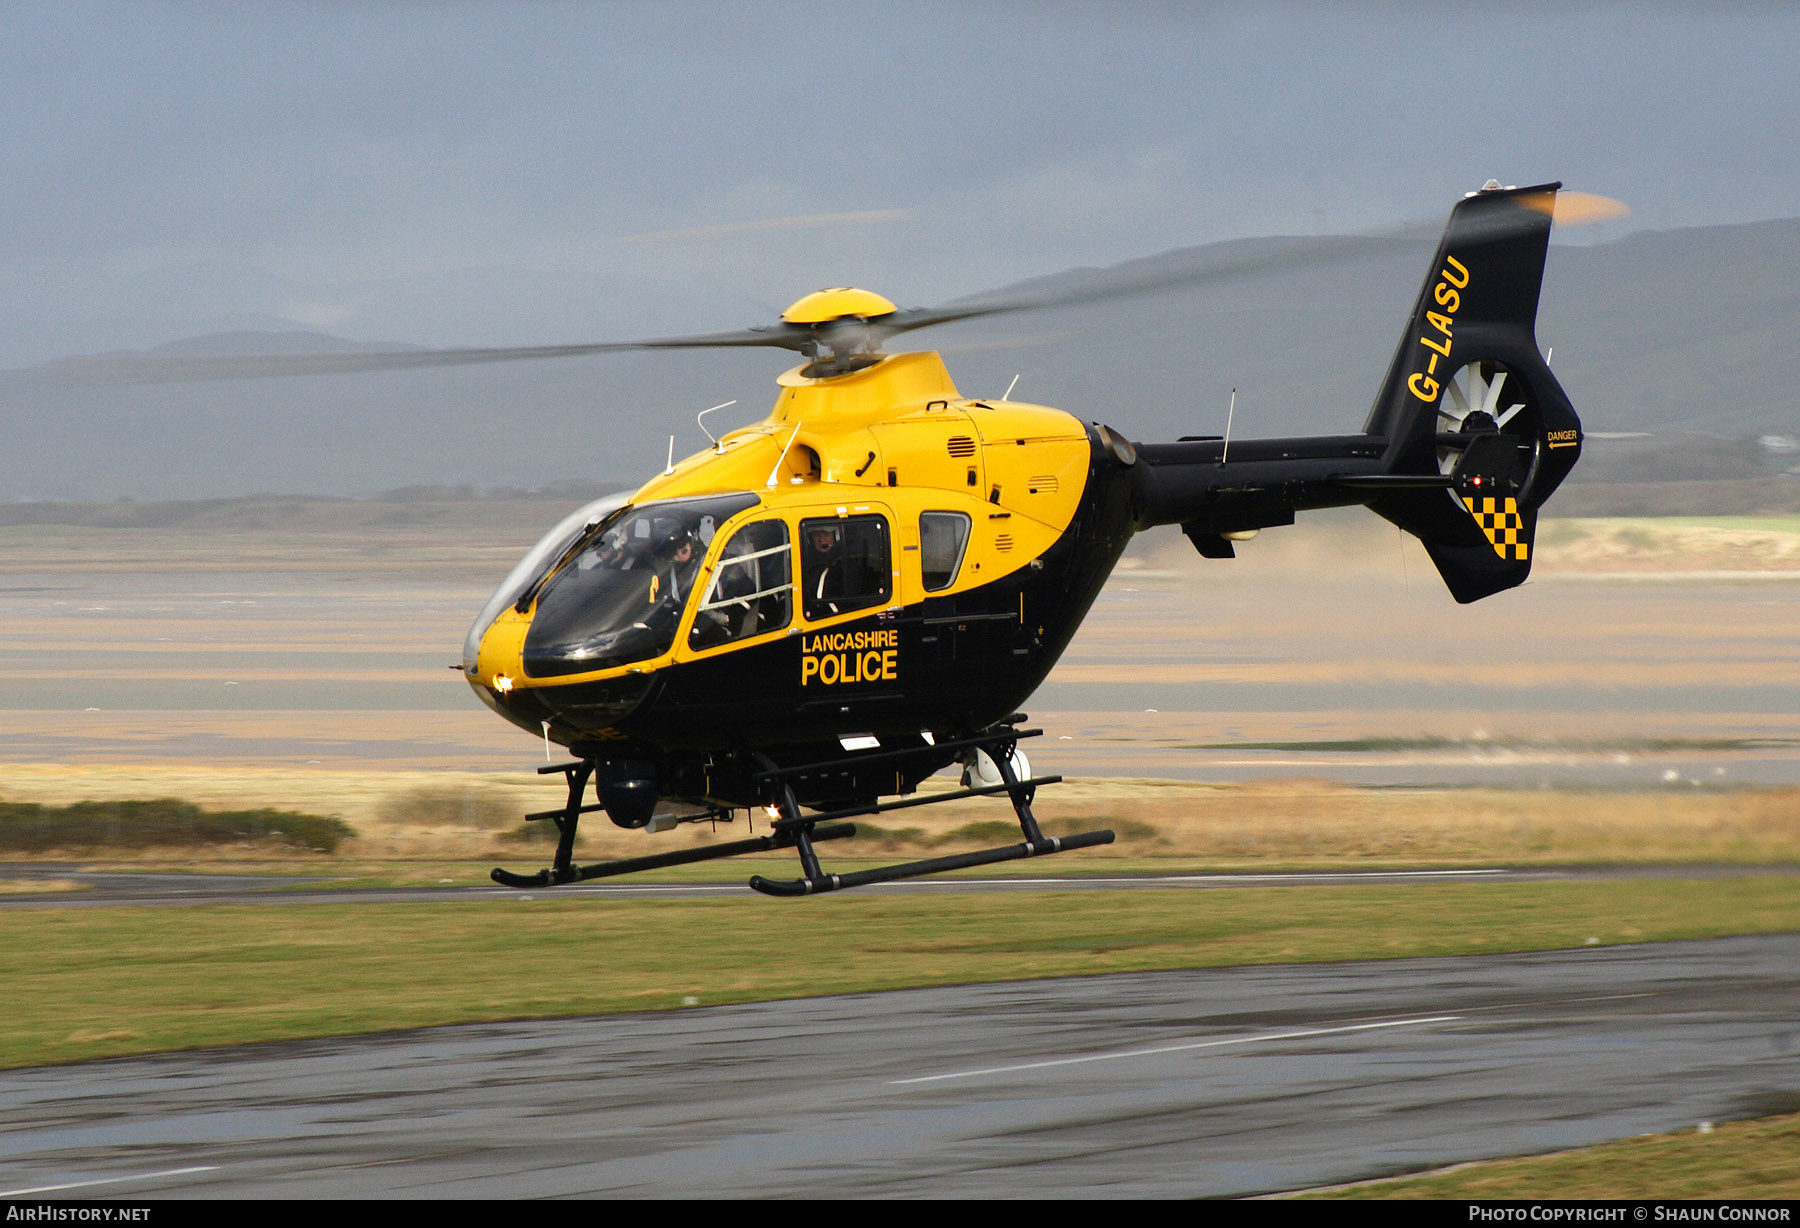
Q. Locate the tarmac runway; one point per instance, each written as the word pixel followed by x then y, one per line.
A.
pixel 119 888
pixel 1174 1084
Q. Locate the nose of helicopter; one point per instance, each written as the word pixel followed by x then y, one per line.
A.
pixel 495 667
pixel 561 711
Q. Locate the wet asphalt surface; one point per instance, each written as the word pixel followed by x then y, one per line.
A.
pixel 1174 1084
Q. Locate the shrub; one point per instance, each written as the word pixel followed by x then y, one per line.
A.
pixel 28 827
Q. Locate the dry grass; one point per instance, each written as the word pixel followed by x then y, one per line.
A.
pixel 1674 544
pixel 415 815
pixel 401 815
pixel 1311 822
pixel 40 886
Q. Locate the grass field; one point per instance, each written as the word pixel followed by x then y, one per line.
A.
pixel 87 983
pixel 1741 1161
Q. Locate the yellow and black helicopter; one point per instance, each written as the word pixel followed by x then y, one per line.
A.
pixel 823 609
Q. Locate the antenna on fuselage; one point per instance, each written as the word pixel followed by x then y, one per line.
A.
pixel 718 444
pixel 1229 412
pixel 776 471
pixel 1009 388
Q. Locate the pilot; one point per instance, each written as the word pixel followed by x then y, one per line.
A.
pixel 677 559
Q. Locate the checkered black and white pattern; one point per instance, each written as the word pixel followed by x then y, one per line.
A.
pixel 1499 520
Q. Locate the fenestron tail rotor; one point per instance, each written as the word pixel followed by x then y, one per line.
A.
pixel 1472 403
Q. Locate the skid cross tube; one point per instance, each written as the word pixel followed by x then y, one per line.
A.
pixel 681 857
pixel 850 812
pixel 562 812
pixel 999 745
pixel 798 831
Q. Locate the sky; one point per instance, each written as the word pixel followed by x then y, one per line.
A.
pixel 467 174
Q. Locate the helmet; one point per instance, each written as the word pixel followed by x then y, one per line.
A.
pixel 671 545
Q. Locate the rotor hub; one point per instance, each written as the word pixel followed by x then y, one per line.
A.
pixel 844 335
pixel 837 303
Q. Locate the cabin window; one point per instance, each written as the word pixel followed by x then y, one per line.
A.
pixel 844 565
pixel 943 539
pixel 621 590
pixel 531 569
pixel 752 590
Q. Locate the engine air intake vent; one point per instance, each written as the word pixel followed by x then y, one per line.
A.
pixel 961 445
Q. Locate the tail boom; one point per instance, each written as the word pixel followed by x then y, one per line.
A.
pixel 1468 436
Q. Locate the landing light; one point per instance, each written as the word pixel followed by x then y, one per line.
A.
pixel 502 683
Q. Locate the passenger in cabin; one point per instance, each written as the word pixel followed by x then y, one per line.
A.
pixel 827 574
pixel 838 567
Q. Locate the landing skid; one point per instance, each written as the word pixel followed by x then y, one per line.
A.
pixel 558 875
pixel 801 832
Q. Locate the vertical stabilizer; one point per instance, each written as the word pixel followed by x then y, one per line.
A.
pixel 1469 396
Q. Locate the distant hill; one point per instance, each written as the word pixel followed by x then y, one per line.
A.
pixel 1681 334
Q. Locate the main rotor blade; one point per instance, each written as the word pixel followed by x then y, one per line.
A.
pixel 1140 277
pixel 167 368
pixel 1193 267
pixel 1244 258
